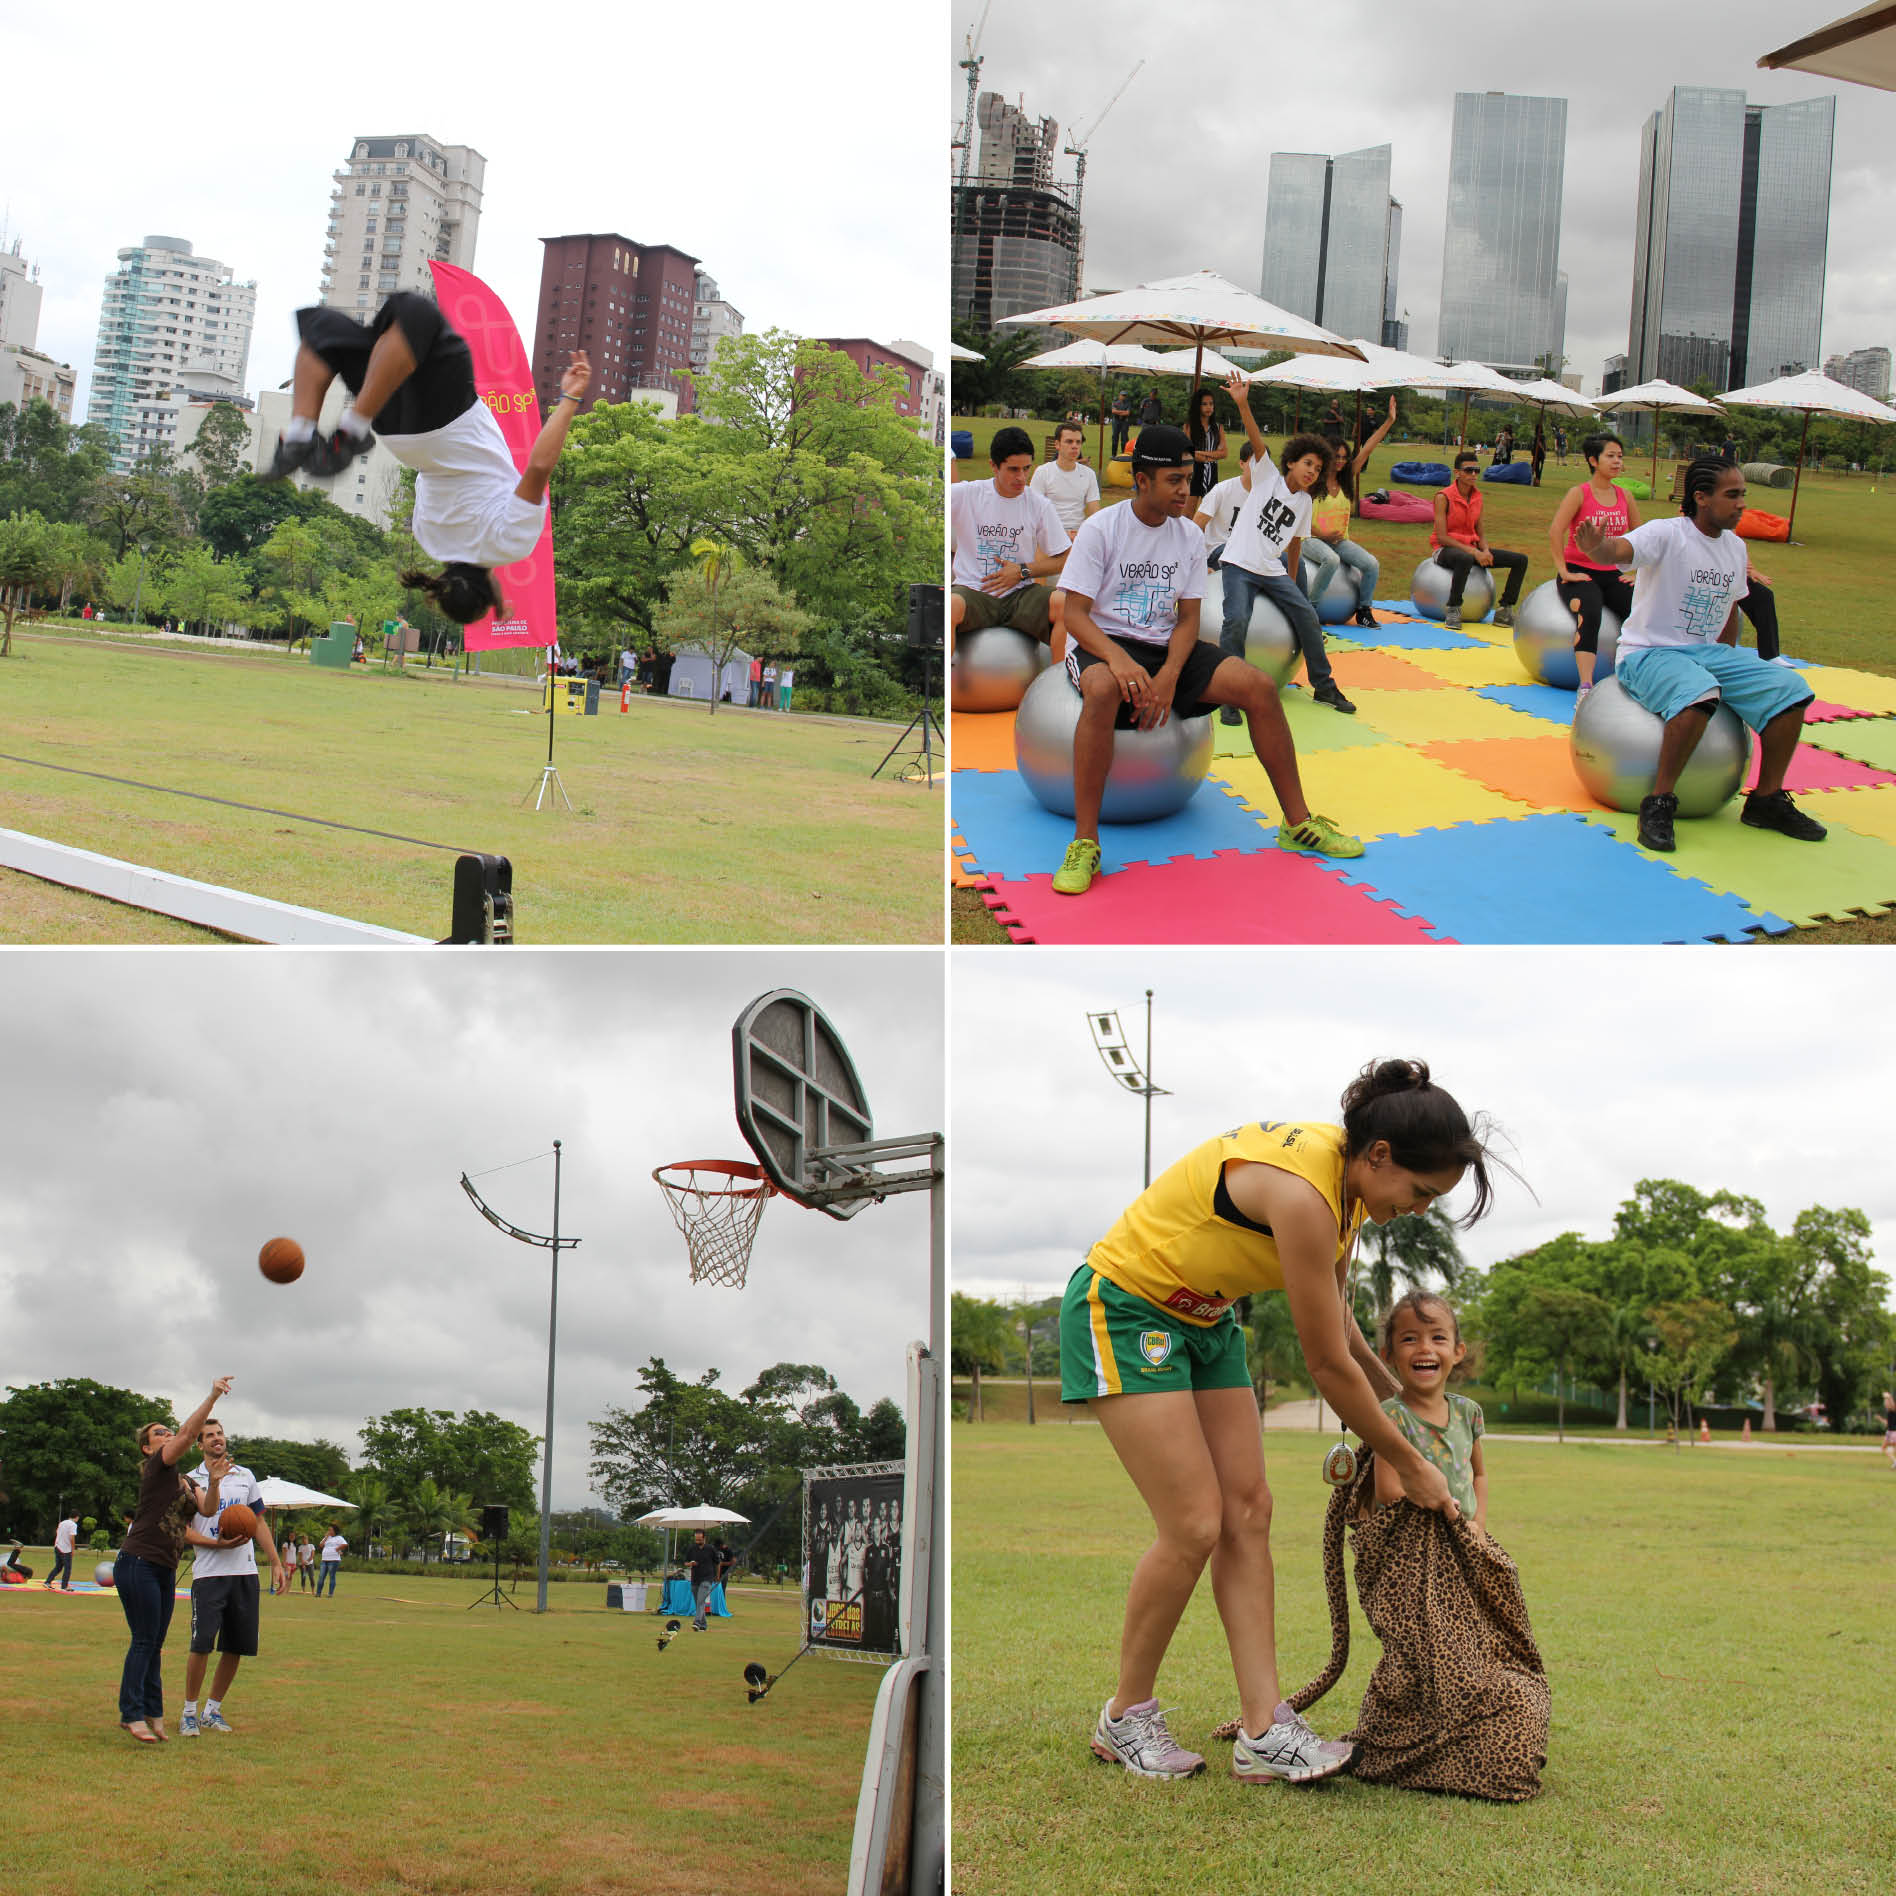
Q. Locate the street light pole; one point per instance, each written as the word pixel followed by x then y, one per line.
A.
pixel 1116 1054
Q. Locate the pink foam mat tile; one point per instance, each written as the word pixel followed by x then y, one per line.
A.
pixel 1814 768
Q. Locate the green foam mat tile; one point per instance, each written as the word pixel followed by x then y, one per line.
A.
pixel 1869 741
pixel 1313 727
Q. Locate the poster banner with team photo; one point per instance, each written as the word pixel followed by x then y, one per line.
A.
pixel 852 1559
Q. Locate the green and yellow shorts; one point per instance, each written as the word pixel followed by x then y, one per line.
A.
pixel 1115 1344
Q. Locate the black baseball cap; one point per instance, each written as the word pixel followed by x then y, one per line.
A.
pixel 1162 445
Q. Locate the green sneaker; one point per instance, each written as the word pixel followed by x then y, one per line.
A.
pixel 1315 834
pixel 1075 875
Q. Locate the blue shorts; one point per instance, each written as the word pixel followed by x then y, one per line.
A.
pixel 1668 678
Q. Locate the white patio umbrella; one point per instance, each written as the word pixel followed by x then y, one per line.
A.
pixel 690 1517
pixel 1859 47
pixel 1545 393
pixel 1199 309
pixel 958 354
pixel 278 1493
pixel 1109 358
pixel 1811 394
pixel 1657 398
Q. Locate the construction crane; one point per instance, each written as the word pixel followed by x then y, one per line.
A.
pixel 1077 148
pixel 971 65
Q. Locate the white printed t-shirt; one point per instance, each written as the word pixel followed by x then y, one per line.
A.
pixel 465 504
pixel 1684 584
pixel 1136 575
pixel 990 532
pixel 66 1536
pixel 214 1562
pixel 333 1546
pixel 1271 517
pixel 1070 493
pixel 1220 508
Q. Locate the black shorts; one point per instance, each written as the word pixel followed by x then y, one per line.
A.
pixel 1200 662
pixel 441 389
pixel 224 1614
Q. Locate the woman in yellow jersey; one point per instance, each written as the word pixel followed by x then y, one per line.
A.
pixel 1149 1339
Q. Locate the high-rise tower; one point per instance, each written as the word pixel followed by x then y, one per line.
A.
pixel 398 204
pixel 1332 240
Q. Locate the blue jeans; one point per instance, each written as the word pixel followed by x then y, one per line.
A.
pixel 1241 588
pixel 330 1569
pixel 1325 559
pixel 701 1594
pixel 147 1593
pixel 62 1563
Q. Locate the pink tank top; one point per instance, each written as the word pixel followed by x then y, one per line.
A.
pixel 1616 519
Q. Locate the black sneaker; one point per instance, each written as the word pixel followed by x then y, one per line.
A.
pixel 1330 695
pixel 1778 812
pixel 1230 714
pixel 341 448
pixel 291 456
pixel 1364 616
pixel 1655 823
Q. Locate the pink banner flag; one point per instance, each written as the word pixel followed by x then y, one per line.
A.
pixel 503 374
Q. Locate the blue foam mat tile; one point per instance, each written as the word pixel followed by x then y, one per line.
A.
pixel 1411 635
pixel 1544 879
pixel 1546 702
pixel 1008 834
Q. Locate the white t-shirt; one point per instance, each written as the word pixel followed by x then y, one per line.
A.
pixel 1134 574
pixel 305 1554
pixel 1270 518
pixel 990 532
pixel 66 1536
pixel 465 504
pixel 1070 493
pixel 785 679
pixel 214 1562
pixel 1684 584
pixel 1220 508
pixel 333 1546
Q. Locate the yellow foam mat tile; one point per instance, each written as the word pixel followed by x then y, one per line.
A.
pixel 1861 691
pixel 1380 791
pixel 1442 717
pixel 1472 666
pixel 1870 811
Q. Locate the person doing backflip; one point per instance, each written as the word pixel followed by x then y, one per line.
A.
pixel 412 379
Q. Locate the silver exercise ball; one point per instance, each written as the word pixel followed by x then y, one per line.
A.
pixel 1428 591
pixel 1337 606
pixel 1543 639
pixel 1153 773
pixel 993 668
pixel 1269 643
pixel 1615 747
pixel 102 1573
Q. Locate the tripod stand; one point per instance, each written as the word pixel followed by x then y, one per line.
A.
pixel 550 774
pixel 920 767
pixel 493 1596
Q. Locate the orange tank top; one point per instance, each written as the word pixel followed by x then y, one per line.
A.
pixel 1464 517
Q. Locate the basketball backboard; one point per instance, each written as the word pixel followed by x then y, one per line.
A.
pixel 797 1093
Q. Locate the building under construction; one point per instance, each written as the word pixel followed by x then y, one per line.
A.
pixel 1017 235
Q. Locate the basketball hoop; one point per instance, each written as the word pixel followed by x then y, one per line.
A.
pixel 718 1213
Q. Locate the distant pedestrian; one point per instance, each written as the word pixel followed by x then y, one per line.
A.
pixel 1560 443
pixel 1122 418
pixel 333 1545
pixel 1151 412
pixel 756 681
pixel 785 679
pixel 65 1539
pixel 704 1576
pixel 1889 1428
pixel 769 699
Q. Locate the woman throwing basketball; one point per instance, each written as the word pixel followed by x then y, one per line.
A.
pixel 1148 1337
pixel 412 378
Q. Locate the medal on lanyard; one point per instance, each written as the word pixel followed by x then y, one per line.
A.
pixel 1339 1465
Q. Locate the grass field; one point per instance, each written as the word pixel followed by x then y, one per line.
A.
pixel 1715 1627
pixel 390 1740
pixel 746 826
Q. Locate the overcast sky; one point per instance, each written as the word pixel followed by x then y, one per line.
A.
pixel 1177 175
pixel 168 1111
pixel 1743 1069
pixel 779 145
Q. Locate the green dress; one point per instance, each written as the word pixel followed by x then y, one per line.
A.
pixel 1452 1449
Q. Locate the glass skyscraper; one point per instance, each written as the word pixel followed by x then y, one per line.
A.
pixel 1332 236
pixel 1501 300
pixel 1730 243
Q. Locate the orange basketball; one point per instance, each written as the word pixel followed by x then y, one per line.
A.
pixel 281 1260
pixel 236 1520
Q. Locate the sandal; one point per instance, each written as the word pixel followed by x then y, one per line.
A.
pixel 140 1730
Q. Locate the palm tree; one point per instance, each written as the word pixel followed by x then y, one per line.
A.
pixel 1412 1249
pixel 715 560
pixel 370 1494
pixel 431 1513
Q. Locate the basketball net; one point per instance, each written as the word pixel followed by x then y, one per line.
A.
pixel 717 1204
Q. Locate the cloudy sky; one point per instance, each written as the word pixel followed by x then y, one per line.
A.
pixel 1727 1069
pixel 1177 175
pixel 168 1111
pixel 727 136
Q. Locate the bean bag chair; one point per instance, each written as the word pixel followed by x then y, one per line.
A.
pixel 1769 474
pixel 1459 1700
pixel 1637 485
pixel 1119 472
pixel 1422 473
pixel 1517 473
pixel 1755 524
pixel 1409 509
pixel 961 444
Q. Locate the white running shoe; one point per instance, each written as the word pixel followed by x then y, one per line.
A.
pixel 1138 1739
pixel 215 1721
pixel 1289 1750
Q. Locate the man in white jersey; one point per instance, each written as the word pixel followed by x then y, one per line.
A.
pixel 412 378
pixel 1133 583
pixel 1072 486
pixel 1008 544
pixel 225 1612
pixel 1219 509
pixel 1679 654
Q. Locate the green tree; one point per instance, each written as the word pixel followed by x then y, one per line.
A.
pixel 374 1505
pixel 1413 1251
pixel 295 558
pixel 687 1443
pixel 717 611
pixel 26 564
pixel 477 1453
pixel 979 1340
pixel 202 589
pixel 142 506
pixel 1569 1329
pixel 1689 1341
pixel 1852 1334
pixel 428 1513
pixel 47 466
pixel 73 1443
pixel 222 446
pixel 319 1465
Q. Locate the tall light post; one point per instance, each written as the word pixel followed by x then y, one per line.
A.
pixel 1116 1055
pixel 138 591
pixel 553 1244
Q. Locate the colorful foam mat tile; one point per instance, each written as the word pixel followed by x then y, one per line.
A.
pixel 1390 791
